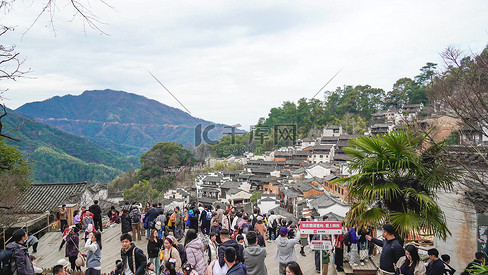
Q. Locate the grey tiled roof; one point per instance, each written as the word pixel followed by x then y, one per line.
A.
pixel 49 196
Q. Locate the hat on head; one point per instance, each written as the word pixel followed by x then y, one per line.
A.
pixel 173 239
pixel 259 218
pixel 62 262
pixel 283 231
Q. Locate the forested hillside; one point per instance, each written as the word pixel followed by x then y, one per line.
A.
pixel 57 156
pixel 125 122
pixel 351 106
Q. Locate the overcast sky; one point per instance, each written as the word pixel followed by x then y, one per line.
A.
pixel 231 61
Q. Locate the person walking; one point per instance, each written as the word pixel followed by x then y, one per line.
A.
pixel 272 225
pixel 126 222
pixel 254 256
pixel 19 262
pixel 339 252
pixel 94 254
pixel 410 264
pixel 135 215
pixel 131 255
pixel 149 219
pixel 178 224
pixel 153 247
pixel 193 213
pixel 97 215
pixel 354 253
pixel 205 219
pixel 285 252
pixel 304 242
pixel 195 251
pixel 226 221
pixel 260 227
pixel 72 248
pixel 392 249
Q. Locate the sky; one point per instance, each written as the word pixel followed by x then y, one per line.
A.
pixel 232 61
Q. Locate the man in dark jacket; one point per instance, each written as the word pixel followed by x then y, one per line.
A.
pixel 204 218
pixel 193 213
pixel 235 268
pixel 436 266
pixel 228 242
pixel 128 252
pixel 479 260
pixel 150 218
pixel 392 249
pixel 97 215
pixel 20 263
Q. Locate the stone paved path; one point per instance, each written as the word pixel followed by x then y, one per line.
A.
pixel 48 253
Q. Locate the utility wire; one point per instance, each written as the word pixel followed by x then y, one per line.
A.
pixel 168 91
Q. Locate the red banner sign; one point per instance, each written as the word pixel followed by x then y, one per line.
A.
pixel 332 228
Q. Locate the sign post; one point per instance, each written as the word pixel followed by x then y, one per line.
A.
pixel 330 228
pixel 324 227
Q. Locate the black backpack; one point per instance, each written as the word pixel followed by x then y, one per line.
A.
pixel 182 251
pixel 274 224
pixel 347 239
pixel 5 261
pixel 136 218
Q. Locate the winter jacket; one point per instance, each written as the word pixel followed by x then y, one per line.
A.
pixel 87 221
pixel 391 253
pixel 225 222
pixel 419 268
pixel 254 257
pixel 179 219
pixel 286 249
pixel 153 248
pixel 231 243
pixel 172 253
pixel 94 254
pixel 126 223
pixel 62 214
pixel 20 263
pixel 261 228
pixel 353 236
pixel 151 215
pixel 435 267
pixel 213 251
pixel 127 256
pixel 236 269
pixel 134 213
pixel 72 244
pixel 195 255
pixel 96 211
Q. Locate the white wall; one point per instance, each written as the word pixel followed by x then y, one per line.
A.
pixel 336 209
pixel 265 206
pixel 462 222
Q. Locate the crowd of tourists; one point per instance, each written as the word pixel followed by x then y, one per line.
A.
pixel 203 240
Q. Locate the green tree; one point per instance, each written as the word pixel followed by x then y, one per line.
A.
pixel 141 192
pixel 395 182
pixel 255 196
pixel 15 178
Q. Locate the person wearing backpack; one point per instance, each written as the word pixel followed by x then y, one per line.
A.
pixel 193 213
pixel 131 255
pixel 195 251
pixel 392 249
pixel 135 215
pixel 19 263
pixel 205 218
pixel 178 233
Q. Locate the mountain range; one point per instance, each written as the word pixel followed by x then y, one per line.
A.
pixel 96 135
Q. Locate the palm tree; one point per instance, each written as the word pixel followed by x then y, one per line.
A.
pixel 395 181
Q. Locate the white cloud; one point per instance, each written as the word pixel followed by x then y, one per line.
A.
pixel 231 61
